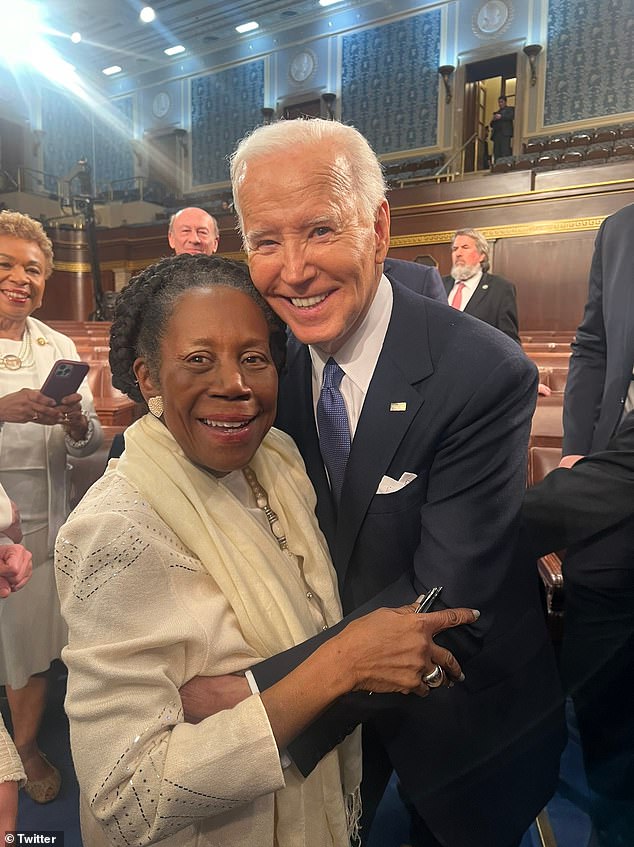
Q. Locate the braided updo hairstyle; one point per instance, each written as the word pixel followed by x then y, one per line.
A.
pixel 145 306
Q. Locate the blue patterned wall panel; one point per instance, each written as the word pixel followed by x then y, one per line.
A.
pixel 113 155
pixel 224 106
pixel 68 134
pixel 590 69
pixel 72 131
pixel 389 82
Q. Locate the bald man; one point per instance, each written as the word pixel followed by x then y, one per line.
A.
pixel 193 230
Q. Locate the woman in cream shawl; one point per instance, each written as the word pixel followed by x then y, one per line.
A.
pixel 198 553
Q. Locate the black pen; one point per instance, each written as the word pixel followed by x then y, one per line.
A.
pixel 425 602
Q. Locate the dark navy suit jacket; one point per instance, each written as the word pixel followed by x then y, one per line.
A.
pixel 422 279
pixel 451 402
pixel 494 301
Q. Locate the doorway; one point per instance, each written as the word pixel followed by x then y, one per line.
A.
pixel 485 81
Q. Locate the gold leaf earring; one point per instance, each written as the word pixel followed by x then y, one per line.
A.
pixel 155 405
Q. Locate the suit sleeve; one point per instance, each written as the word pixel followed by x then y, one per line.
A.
pixel 507 320
pixel 469 527
pixel 586 374
pixel 570 506
pixel 435 286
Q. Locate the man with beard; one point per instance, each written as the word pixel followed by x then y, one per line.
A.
pixel 472 289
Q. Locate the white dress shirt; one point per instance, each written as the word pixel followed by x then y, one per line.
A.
pixel 468 291
pixel 357 358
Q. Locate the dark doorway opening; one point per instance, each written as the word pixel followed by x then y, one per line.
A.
pixel 308 109
pixel 485 81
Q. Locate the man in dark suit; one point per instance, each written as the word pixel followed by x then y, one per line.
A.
pixel 472 289
pixel 423 279
pixel 437 410
pixel 502 129
pixel 598 655
pixel 573 504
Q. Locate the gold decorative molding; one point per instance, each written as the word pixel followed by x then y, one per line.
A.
pixel 529 195
pixel 126 265
pixel 491 233
pixel 71 267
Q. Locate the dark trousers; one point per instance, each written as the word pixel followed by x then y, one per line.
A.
pixel 598 670
pixel 501 146
pixel 377 770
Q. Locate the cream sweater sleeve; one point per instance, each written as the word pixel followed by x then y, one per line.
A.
pixel 144 617
pixel 11 769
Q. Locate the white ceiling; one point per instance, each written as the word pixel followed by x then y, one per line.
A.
pixel 112 33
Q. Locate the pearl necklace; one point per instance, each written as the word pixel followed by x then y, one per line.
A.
pixel 262 502
pixel 24 359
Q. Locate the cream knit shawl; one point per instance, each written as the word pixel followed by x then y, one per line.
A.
pixel 264 587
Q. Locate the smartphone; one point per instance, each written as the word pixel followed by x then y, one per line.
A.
pixel 425 603
pixel 65 378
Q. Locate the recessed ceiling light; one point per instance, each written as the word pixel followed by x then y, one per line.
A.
pixel 76 37
pixel 147 14
pixel 247 27
pixel 328 2
pixel 175 50
pixel 113 69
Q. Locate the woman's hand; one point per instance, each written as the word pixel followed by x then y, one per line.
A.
pixel 72 418
pixel 28 405
pixel 391 650
pixel 15 568
pixel 14 532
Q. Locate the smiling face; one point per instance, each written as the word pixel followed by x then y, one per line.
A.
pixel 317 264
pixel 22 282
pixel 217 378
pixel 193 231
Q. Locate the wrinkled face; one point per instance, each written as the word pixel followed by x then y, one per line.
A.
pixel 193 231
pixel 217 378
pixel 22 282
pixel 317 264
pixel 465 255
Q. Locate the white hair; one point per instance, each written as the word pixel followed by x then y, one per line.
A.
pixel 367 186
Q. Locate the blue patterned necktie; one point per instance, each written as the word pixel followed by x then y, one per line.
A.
pixel 334 430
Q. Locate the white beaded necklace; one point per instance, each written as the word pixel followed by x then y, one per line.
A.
pixel 262 502
pixel 24 358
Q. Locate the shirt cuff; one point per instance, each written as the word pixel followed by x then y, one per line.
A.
pixel 285 759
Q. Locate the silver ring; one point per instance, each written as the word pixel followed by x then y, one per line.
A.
pixel 435 678
pixel 35 416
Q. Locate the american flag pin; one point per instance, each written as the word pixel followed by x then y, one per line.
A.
pixel 398 407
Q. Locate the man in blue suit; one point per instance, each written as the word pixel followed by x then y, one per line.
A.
pixel 598 649
pixel 423 279
pixel 437 414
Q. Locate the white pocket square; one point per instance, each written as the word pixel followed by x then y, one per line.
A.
pixel 389 485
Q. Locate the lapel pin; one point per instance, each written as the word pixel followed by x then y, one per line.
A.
pixel 398 407
pixel 484 287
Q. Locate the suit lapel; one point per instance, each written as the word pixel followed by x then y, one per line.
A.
pixel 405 362
pixel 296 417
pixel 479 294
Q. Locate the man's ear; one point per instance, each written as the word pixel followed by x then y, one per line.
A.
pixel 142 374
pixel 382 232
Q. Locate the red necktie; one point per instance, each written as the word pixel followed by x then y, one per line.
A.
pixel 457 298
